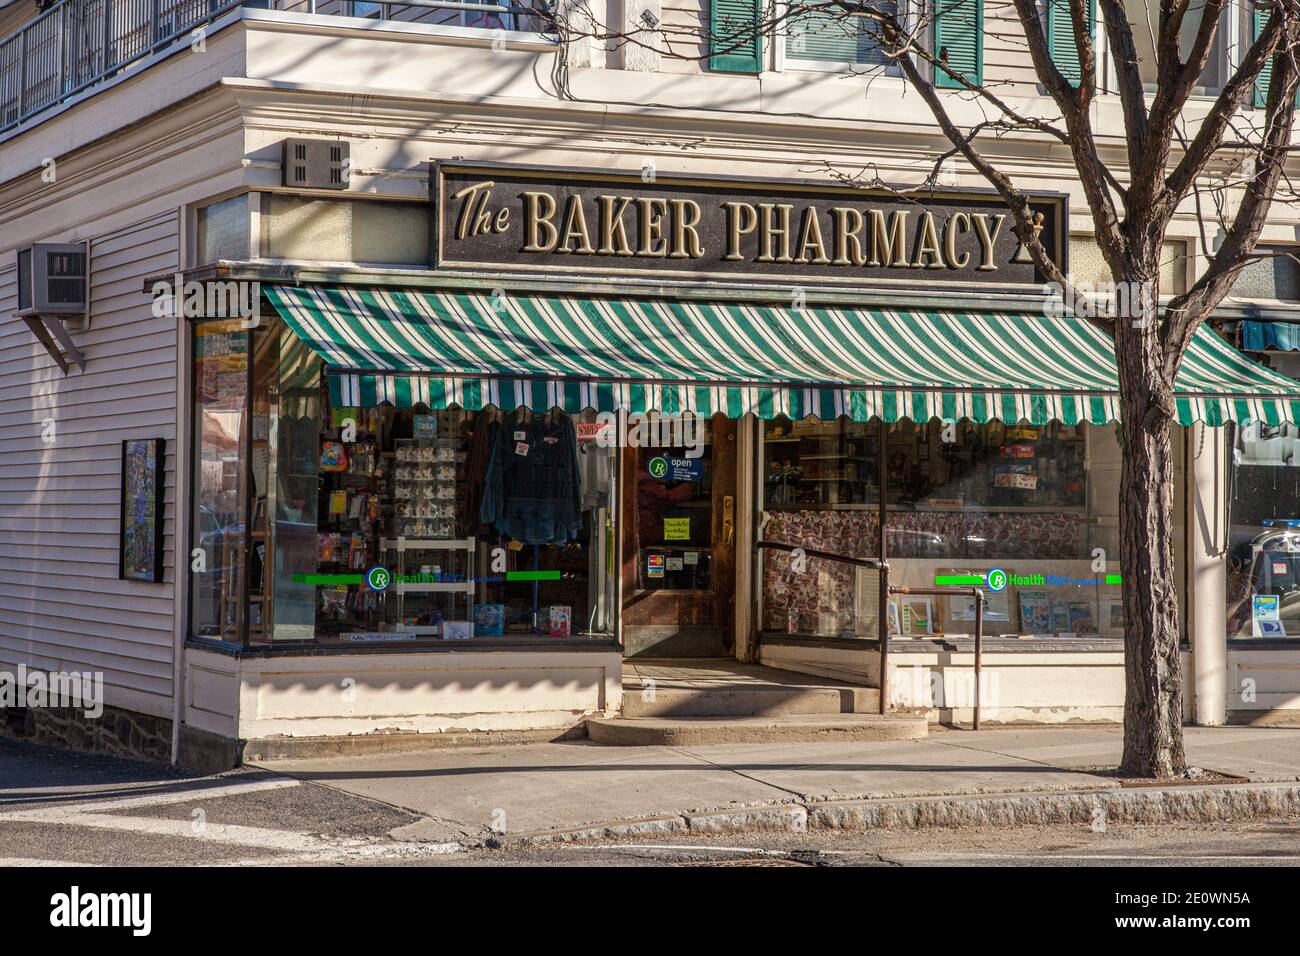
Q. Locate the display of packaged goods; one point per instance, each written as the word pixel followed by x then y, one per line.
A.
pixel 560 618
pixel 490 620
pixel 457 630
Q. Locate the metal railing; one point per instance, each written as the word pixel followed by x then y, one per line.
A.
pixel 887 589
pixel 79 44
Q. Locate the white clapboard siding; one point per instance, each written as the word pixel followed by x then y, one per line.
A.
pixel 62 604
pixel 683 22
pixel 1006 51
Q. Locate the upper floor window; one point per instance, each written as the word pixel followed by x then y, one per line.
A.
pixel 455 13
pixel 1225 47
pixel 824 37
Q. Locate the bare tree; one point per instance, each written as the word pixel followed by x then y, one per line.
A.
pixel 1171 158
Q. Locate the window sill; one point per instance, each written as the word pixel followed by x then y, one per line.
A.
pixel 924 645
pixel 493 645
pixel 855 69
pixel 1264 643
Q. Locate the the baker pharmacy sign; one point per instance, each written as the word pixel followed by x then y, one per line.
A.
pixel 555 221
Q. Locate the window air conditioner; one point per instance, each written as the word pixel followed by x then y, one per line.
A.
pixel 53 294
pixel 52 278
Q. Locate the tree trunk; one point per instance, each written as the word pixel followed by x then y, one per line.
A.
pixel 1153 707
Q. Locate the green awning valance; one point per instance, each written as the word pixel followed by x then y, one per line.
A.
pixel 472 349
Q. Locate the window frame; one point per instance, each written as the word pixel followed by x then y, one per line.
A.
pixel 783 62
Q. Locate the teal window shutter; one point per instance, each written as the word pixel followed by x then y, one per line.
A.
pixel 1259 17
pixel 959 41
pixel 735 44
pixel 1060 37
pixel 829 36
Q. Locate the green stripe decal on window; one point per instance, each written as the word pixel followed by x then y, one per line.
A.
pixel 532 575
pixel 958 580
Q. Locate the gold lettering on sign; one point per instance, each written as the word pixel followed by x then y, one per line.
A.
pixel 958 222
pixel 987 238
pixel 888 244
pixel 575 229
pixel 742 219
pixel 927 245
pixel 475 196
pixel 686 241
pixel 848 236
pixel 574 219
pixel 767 232
pixel 652 227
pixel 612 228
pixel 811 246
pixel 539 211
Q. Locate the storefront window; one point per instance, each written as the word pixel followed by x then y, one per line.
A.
pixel 1037 503
pixel 221 362
pixel 390 524
pixel 1264 544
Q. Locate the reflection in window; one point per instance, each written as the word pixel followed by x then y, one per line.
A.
pixel 1264 544
pixel 485 524
pixel 1227 40
pixel 220 408
pixel 826 35
pixel 1039 502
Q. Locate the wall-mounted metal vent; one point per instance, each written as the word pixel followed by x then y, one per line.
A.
pixel 316 163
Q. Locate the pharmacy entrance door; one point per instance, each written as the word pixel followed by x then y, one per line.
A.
pixel 678 545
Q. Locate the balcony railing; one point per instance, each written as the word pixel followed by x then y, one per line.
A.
pixel 78 44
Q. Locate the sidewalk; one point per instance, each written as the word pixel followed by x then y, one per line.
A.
pixel 469 792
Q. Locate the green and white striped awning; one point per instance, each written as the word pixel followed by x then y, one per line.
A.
pixel 474 349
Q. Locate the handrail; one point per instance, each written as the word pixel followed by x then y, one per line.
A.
pixel 869 563
pixel 980 600
pixel 874 564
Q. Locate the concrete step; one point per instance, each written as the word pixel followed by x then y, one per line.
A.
pixel 791 728
pixel 755 701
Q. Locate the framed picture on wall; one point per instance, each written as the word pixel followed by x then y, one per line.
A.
pixel 140 546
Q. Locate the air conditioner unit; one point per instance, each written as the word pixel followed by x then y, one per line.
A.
pixel 53 278
pixel 316 163
pixel 53 297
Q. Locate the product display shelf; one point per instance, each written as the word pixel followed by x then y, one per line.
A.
pixel 402 545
